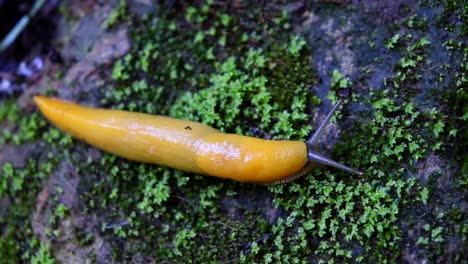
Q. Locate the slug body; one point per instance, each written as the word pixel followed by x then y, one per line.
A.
pixel 179 144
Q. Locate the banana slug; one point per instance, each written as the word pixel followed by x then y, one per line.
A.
pixel 188 146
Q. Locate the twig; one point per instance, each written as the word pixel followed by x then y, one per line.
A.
pixel 20 25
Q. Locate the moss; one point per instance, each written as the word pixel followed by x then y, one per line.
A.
pixel 8 111
pixel 339 219
pixel 22 188
pixel 21 185
pixel 21 128
pixel 119 13
pixel 454 15
pixel 9 248
pixel 43 255
pixel 248 94
pixel 243 71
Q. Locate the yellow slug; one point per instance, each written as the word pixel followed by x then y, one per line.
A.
pixel 186 145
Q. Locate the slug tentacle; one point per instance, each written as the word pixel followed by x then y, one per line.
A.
pixel 315 138
pixel 313 155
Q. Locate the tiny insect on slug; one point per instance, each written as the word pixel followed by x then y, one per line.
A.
pixel 189 146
